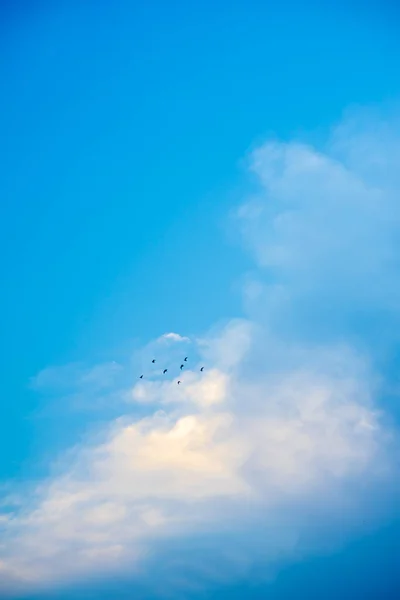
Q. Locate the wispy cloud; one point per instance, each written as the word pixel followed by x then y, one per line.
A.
pixel 76 376
pixel 79 388
pixel 286 412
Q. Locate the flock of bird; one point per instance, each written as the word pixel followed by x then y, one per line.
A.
pixel 181 367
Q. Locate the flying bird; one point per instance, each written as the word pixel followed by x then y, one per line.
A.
pixel 181 367
pixel 165 370
pixel 179 382
pixel 202 369
pixel 154 360
pixel 185 359
pixel 141 377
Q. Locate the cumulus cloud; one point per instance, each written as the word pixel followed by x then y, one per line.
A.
pixel 287 409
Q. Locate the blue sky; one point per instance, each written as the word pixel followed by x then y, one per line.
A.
pixel 228 173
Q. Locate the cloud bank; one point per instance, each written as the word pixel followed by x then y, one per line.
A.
pixel 287 412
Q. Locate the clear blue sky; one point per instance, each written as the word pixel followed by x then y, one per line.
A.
pixel 123 128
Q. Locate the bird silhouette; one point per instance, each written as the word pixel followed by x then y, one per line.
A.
pixel 185 359
pixel 179 382
pixel 165 370
pixel 202 369
pixel 154 360
pixel 141 377
pixel 181 367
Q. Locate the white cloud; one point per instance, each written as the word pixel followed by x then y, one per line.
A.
pixel 323 229
pixel 323 226
pixel 279 415
pixel 174 337
pixel 169 473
